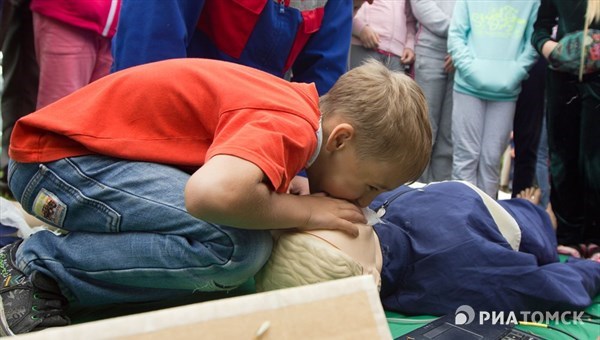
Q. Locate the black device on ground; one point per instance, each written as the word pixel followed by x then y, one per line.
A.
pixel 444 328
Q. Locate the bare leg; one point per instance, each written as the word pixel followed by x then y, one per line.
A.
pixel 593 252
pixel 534 195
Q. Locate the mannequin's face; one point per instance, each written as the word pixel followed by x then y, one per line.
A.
pixel 364 249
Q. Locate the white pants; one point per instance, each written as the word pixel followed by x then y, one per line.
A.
pixel 480 134
pixel 437 86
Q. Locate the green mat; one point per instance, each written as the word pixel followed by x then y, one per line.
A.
pixel 400 324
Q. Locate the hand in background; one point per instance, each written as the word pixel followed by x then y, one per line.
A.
pixel 369 38
pixel 548 47
pixel 448 65
pixel 408 57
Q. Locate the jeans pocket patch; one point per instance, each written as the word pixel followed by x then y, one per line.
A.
pixel 49 208
pixel 55 201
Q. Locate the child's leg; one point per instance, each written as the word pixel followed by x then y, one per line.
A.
pixel 358 54
pixel 467 133
pixel 437 87
pixel 527 125
pixel 590 163
pixel 103 58
pixel 131 238
pixel 542 168
pixel 568 191
pixel 441 156
pixel 498 122
pixel 67 56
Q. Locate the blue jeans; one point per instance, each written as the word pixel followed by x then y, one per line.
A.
pixel 542 172
pixel 130 237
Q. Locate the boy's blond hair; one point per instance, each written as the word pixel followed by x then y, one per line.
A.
pixel 388 112
pixel 299 259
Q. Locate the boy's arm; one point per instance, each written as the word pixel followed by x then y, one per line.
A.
pixel 231 191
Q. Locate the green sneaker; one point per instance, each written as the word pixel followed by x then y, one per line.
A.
pixel 27 303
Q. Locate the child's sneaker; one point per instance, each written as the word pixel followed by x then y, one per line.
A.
pixel 27 303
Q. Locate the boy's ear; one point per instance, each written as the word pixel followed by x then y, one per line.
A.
pixel 339 137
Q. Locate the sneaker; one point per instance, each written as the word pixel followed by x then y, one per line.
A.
pixel 27 303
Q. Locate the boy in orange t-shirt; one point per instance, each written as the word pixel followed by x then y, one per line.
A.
pixel 111 164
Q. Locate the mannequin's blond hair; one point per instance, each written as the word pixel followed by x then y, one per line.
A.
pixel 299 259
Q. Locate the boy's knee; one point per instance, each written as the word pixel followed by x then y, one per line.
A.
pixel 251 250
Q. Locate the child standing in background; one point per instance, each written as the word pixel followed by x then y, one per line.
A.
pixel 489 42
pixel 434 72
pixel 573 122
pixel 20 74
pixel 305 41
pixel 385 31
pixel 72 44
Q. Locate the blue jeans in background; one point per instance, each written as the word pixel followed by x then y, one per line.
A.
pixel 542 171
pixel 130 237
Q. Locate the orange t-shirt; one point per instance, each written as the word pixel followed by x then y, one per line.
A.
pixel 180 112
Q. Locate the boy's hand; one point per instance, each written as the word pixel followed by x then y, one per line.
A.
pixel 332 213
pixel 232 191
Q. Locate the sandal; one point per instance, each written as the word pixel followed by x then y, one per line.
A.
pixel 593 252
pixel 575 250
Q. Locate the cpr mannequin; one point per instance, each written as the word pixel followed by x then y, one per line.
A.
pixel 440 247
pixel 336 255
pixel 300 258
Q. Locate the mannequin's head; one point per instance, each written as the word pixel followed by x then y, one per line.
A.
pixel 301 258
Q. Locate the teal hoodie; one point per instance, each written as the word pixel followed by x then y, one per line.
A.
pixel 489 42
